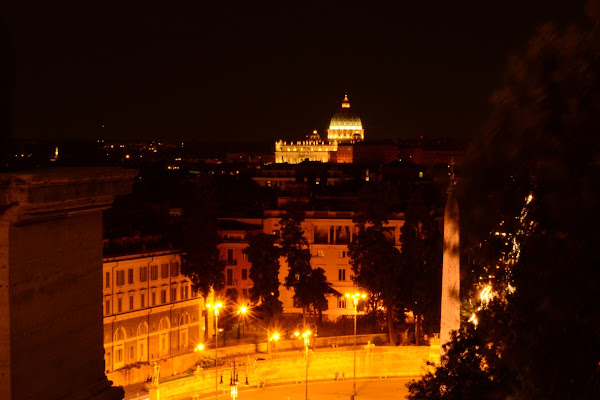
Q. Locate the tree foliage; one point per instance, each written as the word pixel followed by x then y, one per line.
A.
pixel 421 262
pixel 263 254
pixel 532 180
pixel 201 261
pixel 376 263
pixel 310 285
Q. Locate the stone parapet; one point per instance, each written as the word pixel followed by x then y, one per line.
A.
pixel 50 282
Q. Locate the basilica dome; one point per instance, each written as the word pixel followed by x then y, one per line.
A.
pixel 345 125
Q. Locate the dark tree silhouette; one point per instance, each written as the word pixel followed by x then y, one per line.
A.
pixel 421 258
pixel 534 177
pixel 310 285
pixel 200 260
pixel 263 254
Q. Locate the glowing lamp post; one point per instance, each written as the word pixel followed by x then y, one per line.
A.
pixel 216 308
pixel 306 338
pixel 242 314
pixel 274 338
pixel 355 297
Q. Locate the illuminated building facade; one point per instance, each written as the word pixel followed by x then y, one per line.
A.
pixel 328 234
pixel 345 128
pixel 150 310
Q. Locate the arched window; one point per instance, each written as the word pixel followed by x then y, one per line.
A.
pixel 142 342
pixel 119 348
pixel 164 334
pixel 184 321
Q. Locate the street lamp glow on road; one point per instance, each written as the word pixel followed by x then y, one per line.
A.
pixel 355 297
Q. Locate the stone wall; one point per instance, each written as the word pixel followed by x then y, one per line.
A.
pixel 139 372
pixel 50 277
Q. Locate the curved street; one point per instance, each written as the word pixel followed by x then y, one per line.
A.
pixel 367 389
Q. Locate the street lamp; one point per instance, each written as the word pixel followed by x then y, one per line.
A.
pixel 274 338
pixel 234 379
pixel 216 308
pixel 355 297
pixel 306 337
pixel 242 314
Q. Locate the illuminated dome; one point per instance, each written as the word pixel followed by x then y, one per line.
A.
pixel 314 136
pixel 345 125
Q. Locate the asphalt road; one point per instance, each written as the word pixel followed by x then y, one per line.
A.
pixel 376 389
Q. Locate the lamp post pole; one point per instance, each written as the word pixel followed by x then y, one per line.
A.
pixel 306 341
pixel 306 338
pixel 355 298
pixel 355 301
pixel 215 308
pixel 216 353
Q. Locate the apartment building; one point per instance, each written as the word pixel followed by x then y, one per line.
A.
pixel 150 310
pixel 328 234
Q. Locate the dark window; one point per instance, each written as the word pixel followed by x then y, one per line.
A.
pixel 164 271
pixel 173 294
pixel 163 296
pixel 143 274
pixel 153 272
pixel 130 276
pixel 131 302
pixel 107 307
pixel 244 274
pixel 120 277
pixel 119 305
pixel 341 274
pixel 174 269
pixel 229 276
pixel 142 300
pixel 107 284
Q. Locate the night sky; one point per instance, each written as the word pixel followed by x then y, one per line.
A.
pixel 256 73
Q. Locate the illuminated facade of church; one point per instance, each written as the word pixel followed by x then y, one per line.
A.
pixel 345 129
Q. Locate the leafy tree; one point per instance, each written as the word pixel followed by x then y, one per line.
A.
pixel 532 181
pixel 469 368
pixel 201 261
pixel 263 254
pixel 421 281
pixel 376 264
pixel 310 285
